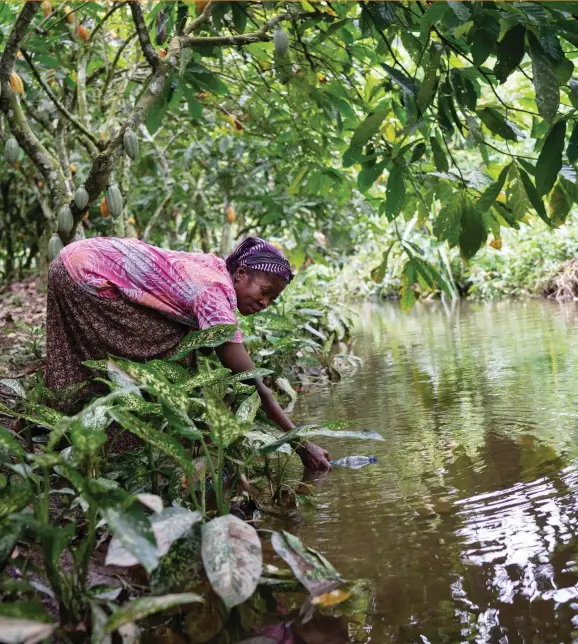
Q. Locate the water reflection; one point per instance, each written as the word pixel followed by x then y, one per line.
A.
pixel 467 524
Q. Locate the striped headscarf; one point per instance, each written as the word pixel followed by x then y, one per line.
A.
pixel 259 255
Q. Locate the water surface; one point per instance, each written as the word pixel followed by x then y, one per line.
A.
pixel 468 524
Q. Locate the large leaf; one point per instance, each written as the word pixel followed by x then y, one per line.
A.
pixel 367 129
pixel 163 442
pixel 408 85
pixel 181 564
pixel 144 606
pixel 248 409
pixel 545 81
pixel 224 427
pixel 134 532
pixel 473 233
pixel 448 223
pixel 495 121
pixel 232 556
pixel 558 206
pixel 24 622
pixel 572 149
pixel 395 193
pixel 203 379
pixel 213 337
pixel 430 79
pixel 510 52
pixel 9 443
pixel 310 567
pixel 550 159
pixel 440 159
pixel 13 499
pixel 491 193
pixel 533 195
pixel 168 526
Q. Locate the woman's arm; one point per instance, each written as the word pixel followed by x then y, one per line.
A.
pixel 234 356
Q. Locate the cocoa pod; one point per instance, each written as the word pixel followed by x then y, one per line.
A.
pixel 281 42
pixel 81 197
pixel 104 211
pixel 69 15
pixel 65 221
pixel 231 215
pixel 113 198
pixel 162 53
pixel 55 245
pixel 16 83
pixel 130 143
pixel 161 31
pixel 46 8
pixel 83 33
pixel 11 150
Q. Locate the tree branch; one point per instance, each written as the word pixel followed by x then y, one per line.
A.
pixel 100 25
pixel 15 38
pixel 77 124
pixel 150 53
pixel 200 20
pixel 81 86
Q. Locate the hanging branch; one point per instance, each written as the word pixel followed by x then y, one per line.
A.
pixel 150 53
pixel 61 108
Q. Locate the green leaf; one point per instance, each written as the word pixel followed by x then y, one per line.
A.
pixel 13 499
pixel 495 121
pixel 213 337
pixel 9 443
pixel 181 564
pixel 572 149
pixel 24 631
pixel 133 529
pixel 418 152
pixel 440 159
pixel 10 532
pixel 309 566
pixel 464 89
pixel 409 277
pixel 473 233
pixel 395 193
pixel 366 130
pixel 248 409
pixel 433 14
pixel 232 556
pixel 550 159
pixel 510 52
pixel 448 226
pixel 558 206
pixel 97 365
pixel 431 277
pixel 144 606
pixel 203 379
pixel 163 442
pixel 533 196
pixel 170 370
pixel 378 273
pixel 545 81
pixel 243 376
pixel 491 193
pixel 157 112
pixel 461 11
pixel 430 79
pixel 224 428
pixel 87 432
pixel 408 85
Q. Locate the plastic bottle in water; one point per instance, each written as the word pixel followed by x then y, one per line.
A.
pixel 354 462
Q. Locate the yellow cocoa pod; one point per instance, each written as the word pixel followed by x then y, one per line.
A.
pixel 83 33
pixel 16 83
pixel 72 168
pixel 69 15
pixel 231 215
pixel 104 208
pixel 46 8
pixel 162 53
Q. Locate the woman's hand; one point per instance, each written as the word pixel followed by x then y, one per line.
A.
pixel 313 457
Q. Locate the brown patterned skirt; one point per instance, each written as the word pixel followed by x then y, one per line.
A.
pixel 82 326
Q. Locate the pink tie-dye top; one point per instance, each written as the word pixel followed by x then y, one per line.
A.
pixel 193 288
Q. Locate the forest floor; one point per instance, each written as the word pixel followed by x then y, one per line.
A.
pixel 22 320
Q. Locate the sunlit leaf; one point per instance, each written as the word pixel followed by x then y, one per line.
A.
pixel 231 552
pixel 550 159
pixel 213 337
pixel 248 409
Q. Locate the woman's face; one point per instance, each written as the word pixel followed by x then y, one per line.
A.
pixel 256 290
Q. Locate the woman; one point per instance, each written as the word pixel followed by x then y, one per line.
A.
pixel 128 299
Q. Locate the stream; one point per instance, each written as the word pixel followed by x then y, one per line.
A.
pixel 466 527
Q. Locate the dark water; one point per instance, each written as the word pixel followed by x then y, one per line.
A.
pixel 468 524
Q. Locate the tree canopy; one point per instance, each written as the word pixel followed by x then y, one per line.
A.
pixel 297 119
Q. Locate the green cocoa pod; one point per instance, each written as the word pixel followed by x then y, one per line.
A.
pixel 130 143
pixel 11 150
pixel 65 221
pixel 281 42
pixel 81 197
pixel 114 200
pixel 55 245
